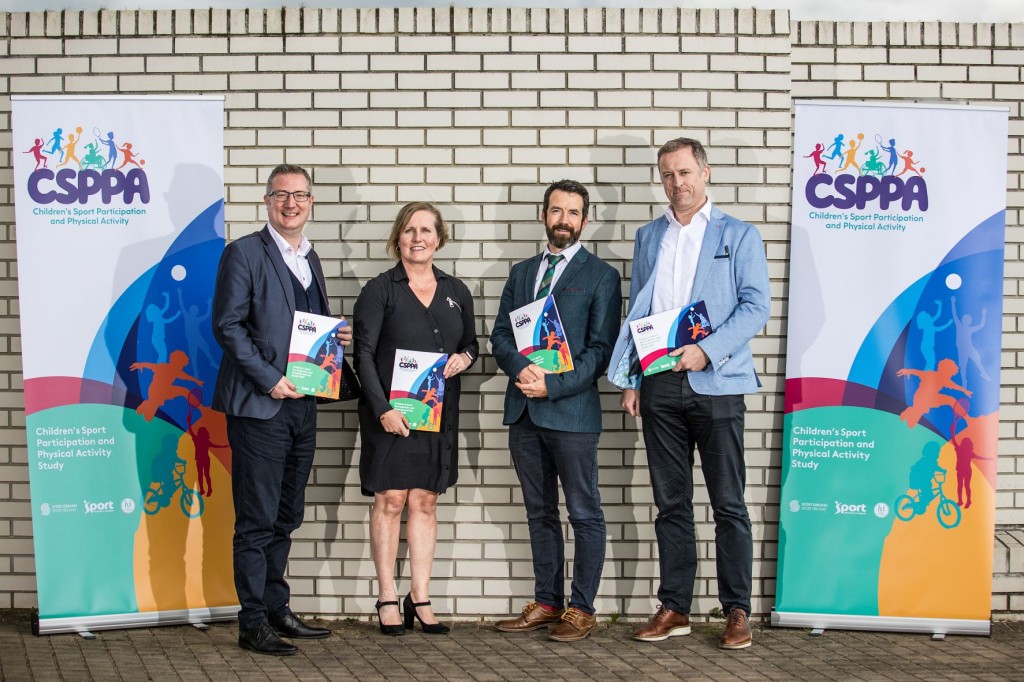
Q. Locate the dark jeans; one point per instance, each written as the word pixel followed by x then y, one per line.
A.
pixel 675 420
pixel 270 465
pixel 542 457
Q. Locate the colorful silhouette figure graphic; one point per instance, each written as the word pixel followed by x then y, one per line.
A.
pixel 926 479
pixel 965 455
pixel 162 387
pixel 156 319
pixel 69 149
pixel 836 148
pixel 433 397
pixel 330 378
pixel 697 327
pixel 164 471
pixel 194 331
pixel 966 351
pixel 37 153
pixel 909 163
pixel 168 473
pixel 129 157
pixel 551 339
pixel 926 324
pixel 873 166
pixel 56 143
pixel 92 158
pixel 927 396
pixel 850 155
pixel 819 164
pixel 922 472
pixel 108 141
pixel 201 445
pixel 894 157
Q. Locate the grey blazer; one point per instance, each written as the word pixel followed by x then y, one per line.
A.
pixel 589 299
pixel 253 306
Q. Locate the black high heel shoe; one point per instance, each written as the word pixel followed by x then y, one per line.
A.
pixel 409 612
pixel 392 630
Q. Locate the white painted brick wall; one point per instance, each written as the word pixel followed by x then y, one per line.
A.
pixel 478 109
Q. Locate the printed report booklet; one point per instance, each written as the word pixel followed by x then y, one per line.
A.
pixel 540 337
pixel 314 355
pixel 417 388
pixel 657 335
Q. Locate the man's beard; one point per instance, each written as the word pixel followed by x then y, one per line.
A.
pixel 561 240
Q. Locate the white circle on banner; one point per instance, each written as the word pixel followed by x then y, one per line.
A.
pixel 178 273
pixel 953 281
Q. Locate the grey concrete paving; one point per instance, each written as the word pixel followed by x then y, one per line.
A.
pixel 477 652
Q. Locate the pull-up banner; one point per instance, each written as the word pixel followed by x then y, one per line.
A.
pixel 892 367
pixel 119 204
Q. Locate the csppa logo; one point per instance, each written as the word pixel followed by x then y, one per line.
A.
pixel 306 326
pixel 408 363
pixel 878 174
pixel 127 505
pixel 522 320
pixel 645 327
pixel 84 168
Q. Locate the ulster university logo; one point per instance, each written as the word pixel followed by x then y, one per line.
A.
pixel 854 173
pixel 74 166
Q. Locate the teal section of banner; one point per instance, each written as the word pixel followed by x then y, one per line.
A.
pixel 843 469
pixel 89 465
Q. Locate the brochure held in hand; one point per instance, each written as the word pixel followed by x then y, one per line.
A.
pixel 315 355
pixel 540 337
pixel 657 335
pixel 417 388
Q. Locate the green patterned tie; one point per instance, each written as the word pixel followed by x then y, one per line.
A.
pixel 549 275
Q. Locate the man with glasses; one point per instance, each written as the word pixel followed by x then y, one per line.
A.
pixel 262 280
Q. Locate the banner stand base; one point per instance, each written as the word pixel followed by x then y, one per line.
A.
pixel 818 622
pixel 87 625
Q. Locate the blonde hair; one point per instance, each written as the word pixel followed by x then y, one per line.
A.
pixel 405 214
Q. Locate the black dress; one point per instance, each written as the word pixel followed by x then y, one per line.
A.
pixel 387 316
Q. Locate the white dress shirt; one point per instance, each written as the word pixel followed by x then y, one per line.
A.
pixel 677 260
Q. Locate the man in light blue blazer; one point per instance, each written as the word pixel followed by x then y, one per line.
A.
pixel 555 419
pixel 694 252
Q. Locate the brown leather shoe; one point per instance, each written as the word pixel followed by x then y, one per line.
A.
pixel 737 631
pixel 533 616
pixel 663 624
pixel 575 625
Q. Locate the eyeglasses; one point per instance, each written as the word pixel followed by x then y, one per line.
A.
pixel 281 196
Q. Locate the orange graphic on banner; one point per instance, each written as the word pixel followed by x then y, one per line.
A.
pixel 928 571
pixel 184 562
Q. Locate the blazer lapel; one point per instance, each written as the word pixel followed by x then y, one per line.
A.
pixel 571 270
pixel 528 289
pixel 318 277
pixel 274 254
pixel 708 248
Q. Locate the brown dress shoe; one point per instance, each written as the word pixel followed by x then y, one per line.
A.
pixel 575 625
pixel 663 624
pixel 737 631
pixel 533 616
